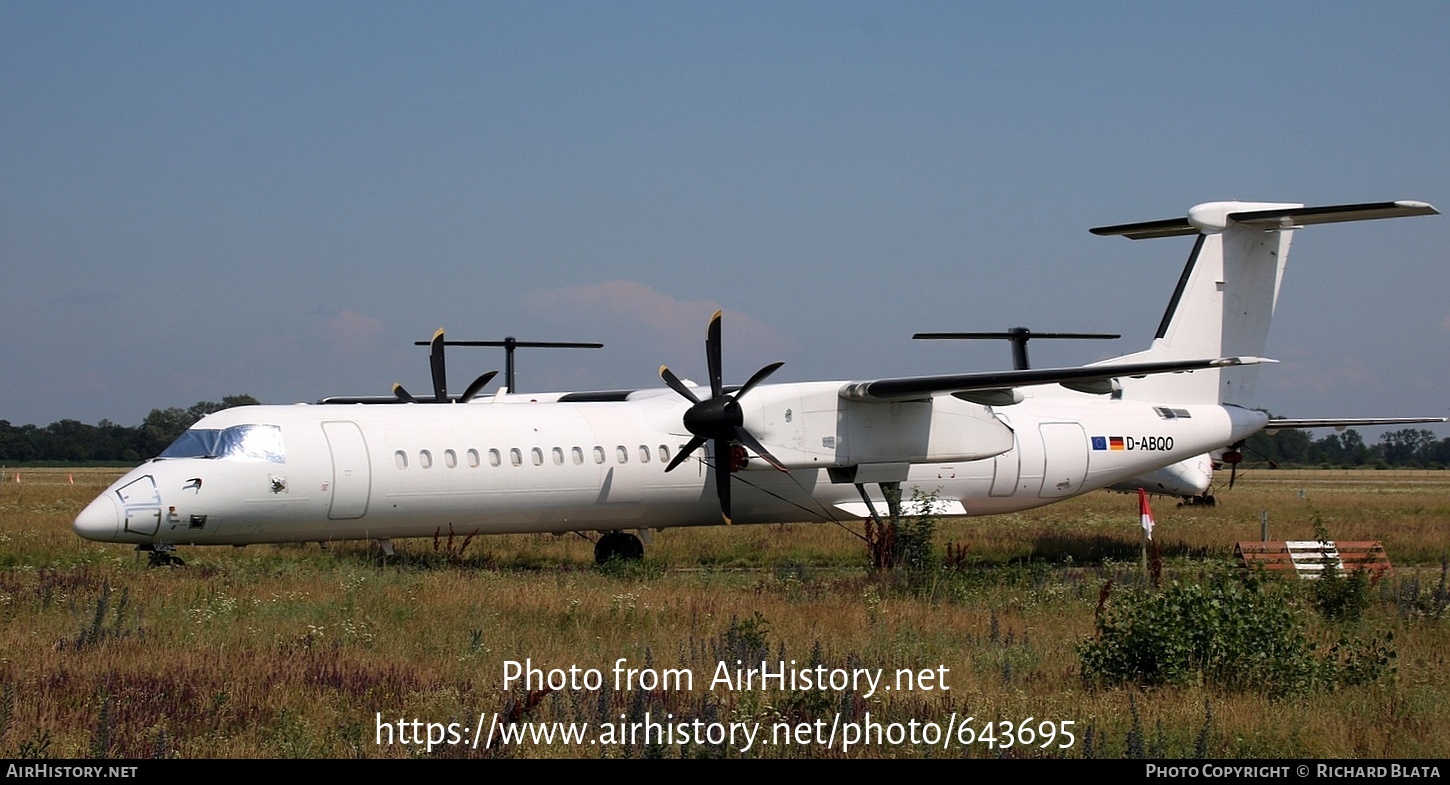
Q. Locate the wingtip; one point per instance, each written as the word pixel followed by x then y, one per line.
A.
pixel 1224 362
pixel 1414 204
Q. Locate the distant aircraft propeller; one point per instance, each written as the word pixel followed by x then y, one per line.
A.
pixel 718 419
pixel 1234 456
pixel 1019 336
pixel 440 377
pixel 510 344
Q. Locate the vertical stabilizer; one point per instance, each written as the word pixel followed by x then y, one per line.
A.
pixel 1226 296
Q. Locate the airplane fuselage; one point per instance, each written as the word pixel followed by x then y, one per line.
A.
pixel 339 472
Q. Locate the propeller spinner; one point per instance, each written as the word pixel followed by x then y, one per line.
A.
pixel 719 418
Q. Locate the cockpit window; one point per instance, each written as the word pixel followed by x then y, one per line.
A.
pixel 252 442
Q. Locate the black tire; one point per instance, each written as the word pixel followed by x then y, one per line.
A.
pixel 618 545
pixel 631 547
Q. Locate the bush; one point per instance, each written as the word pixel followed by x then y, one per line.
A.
pixel 1237 632
pixel 915 535
pixel 907 541
pixel 1339 597
pixel 1226 631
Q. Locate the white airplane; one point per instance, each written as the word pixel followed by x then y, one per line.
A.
pixel 609 462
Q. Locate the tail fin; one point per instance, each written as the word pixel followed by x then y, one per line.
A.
pixel 1227 293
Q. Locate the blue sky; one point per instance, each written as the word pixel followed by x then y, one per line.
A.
pixel 204 199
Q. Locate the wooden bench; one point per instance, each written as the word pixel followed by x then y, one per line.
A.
pixel 1308 558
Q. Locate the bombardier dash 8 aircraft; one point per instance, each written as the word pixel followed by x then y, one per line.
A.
pixel 683 455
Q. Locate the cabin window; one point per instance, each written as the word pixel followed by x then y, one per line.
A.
pixel 537 455
pixel 643 454
pixel 425 459
pixel 622 453
pixel 558 456
pixel 516 456
pixel 598 454
pixel 664 454
pixel 450 459
pixel 400 458
pixel 494 459
pixel 578 455
pixel 473 459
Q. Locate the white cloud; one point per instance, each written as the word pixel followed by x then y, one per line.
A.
pixel 348 332
pixel 672 326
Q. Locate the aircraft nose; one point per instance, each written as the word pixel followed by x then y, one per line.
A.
pixel 100 520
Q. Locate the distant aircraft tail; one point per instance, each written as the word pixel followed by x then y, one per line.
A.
pixel 1229 288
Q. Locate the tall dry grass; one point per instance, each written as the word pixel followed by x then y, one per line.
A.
pixel 275 651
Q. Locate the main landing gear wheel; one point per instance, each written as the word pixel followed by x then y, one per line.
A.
pixel 618 545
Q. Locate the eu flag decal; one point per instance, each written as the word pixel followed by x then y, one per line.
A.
pixel 1100 442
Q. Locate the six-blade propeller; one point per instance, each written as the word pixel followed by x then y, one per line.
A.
pixel 718 420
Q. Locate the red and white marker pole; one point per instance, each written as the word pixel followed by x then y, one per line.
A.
pixel 1146 513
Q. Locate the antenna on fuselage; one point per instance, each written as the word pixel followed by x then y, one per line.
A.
pixel 511 343
pixel 1019 336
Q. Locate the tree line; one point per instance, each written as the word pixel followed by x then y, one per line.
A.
pixel 72 441
pixel 1415 448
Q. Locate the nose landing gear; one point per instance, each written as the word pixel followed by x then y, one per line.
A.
pixel 162 555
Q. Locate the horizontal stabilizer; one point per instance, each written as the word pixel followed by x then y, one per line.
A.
pixel 1308 216
pixel 1213 217
pixel 1278 423
pixel 1147 230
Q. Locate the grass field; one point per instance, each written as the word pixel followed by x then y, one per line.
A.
pixel 297 651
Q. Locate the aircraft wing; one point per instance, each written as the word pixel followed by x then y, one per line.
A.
pixel 1277 423
pixel 982 387
pixel 972 386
